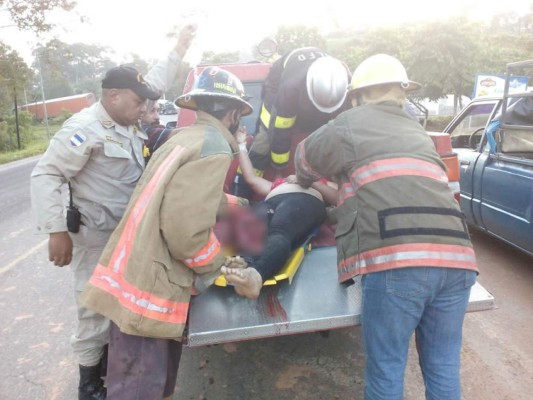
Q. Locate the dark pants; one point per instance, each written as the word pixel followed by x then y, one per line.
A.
pixel 295 217
pixel 141 368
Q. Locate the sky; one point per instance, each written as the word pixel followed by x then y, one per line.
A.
pixel 238 25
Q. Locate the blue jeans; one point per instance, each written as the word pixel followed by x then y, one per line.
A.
pixel 429 301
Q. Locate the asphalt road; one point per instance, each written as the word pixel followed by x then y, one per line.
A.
pixel 38 315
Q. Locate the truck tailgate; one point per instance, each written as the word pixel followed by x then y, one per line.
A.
pixel 314 301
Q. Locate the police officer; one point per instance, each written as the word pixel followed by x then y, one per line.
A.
pixel 98 152
pixel 302 91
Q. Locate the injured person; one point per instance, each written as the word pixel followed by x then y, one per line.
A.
pixel 289 214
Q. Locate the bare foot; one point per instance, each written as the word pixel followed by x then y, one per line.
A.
pixel 247 281
pixel 235 262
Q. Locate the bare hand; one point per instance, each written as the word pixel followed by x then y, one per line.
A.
pixel 292 179
pixel 185 39
pixel 60 248
pixel 240 135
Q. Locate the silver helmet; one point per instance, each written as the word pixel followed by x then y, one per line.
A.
pixel 327 82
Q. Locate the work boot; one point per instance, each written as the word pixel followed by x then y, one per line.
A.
pixel 91 385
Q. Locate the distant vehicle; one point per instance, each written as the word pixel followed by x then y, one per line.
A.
pixel 167 108
pixel 55 107
pixel 496 163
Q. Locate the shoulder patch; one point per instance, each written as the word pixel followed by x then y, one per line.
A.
pixel 77 139
pixel 214 143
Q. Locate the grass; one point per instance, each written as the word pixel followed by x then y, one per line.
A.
pixel 36 147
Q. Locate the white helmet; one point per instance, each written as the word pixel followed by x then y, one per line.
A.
pixel 327 79
pixel 381 69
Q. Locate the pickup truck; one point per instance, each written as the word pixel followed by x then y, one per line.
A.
pixel 312 300
pixel 493 138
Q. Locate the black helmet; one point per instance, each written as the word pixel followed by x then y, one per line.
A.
pixel 215 83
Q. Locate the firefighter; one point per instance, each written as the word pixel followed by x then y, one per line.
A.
pixel 399 227
pixel 303 90
pixel 164 246
pixel 98 152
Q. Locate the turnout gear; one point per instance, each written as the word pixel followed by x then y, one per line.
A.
pixel 327 82
pixel 144 279
pixel 211 91
pixel 395 208
pixel 381 69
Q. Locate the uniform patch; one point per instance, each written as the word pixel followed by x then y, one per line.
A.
pixel 77 139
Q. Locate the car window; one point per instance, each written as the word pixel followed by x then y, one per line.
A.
pixel 475 117
pixel 252 89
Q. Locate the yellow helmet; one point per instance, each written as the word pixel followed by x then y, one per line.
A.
pixel 378 70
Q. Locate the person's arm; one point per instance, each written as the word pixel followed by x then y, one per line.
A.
pixel 321 154
pixel 258 184
pixel 328 192
pixel 165 73
pixel 68 152
pixel 188 214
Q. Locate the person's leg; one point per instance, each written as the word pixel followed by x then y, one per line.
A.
pixel 295 217
pixel 439 336
pixel 92 330
pixel 393 303
pixel 174 357
pixel 141 368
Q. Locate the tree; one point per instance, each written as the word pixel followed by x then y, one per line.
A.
pixel 14 77
pixel 444 57
pixel 30 15
pixel 70 68
pixel 295 36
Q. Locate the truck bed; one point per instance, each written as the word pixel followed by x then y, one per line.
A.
pixel 314 301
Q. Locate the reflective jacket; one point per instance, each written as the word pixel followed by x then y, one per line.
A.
pixel 286 107
pixel 395 208
pixel 165 240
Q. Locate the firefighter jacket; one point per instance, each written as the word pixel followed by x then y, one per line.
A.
pixel 286 107
pixel 144 279
pixel 395 208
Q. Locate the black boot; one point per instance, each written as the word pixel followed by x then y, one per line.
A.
pixel 91 384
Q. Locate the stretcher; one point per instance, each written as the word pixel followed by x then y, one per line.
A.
pixel 287 271
pixel 312 300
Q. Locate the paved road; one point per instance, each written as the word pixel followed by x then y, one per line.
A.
pixel 37 314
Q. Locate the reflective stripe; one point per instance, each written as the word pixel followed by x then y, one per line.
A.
pixel 232 200
pixel 409 255
pixel 389 168
pixel 137 301
pixel 112 281
pixel 206 254
pixel 122 250
pixel 257 172
pixel 346 191
pixel 279 123
pixel 281 158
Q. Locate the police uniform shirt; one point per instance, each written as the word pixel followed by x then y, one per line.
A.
pixel 103 162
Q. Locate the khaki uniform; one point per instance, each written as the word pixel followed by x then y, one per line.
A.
pixel 103 162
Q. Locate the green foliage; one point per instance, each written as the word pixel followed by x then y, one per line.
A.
pixel 295 36
pixel 30 15
pixel 71 68
pixel 8 131
pixel 210 57
pixel 437 123
pixel 14 76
